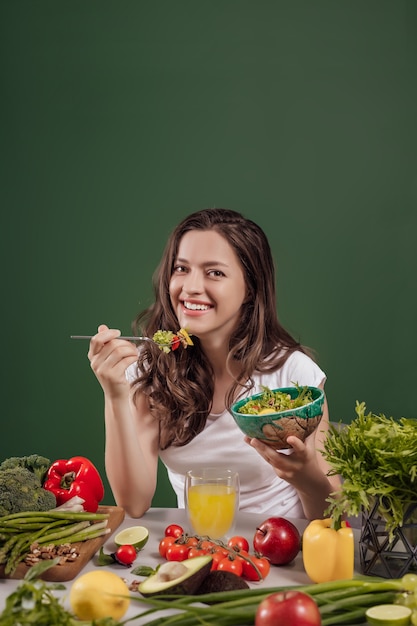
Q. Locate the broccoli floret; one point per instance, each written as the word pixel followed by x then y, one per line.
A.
pixel 21 490
pixel 35 463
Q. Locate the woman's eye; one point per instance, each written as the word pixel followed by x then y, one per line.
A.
pixel 179 269
pixel 216 273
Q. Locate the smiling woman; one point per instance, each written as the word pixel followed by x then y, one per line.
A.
pixel 207 287
pixel 216 279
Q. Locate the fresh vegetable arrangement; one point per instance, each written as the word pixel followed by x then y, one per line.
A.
pixel 339 602
pixel 18 531
pixel 32 526
pixel 276 401
pixel 190 594
pixel 75 477
pixel 168 340
pixel 233 556
pixel 377 457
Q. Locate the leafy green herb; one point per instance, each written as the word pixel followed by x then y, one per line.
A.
pixel 377 458
pixel 144 570
pixel 34 603
pixel 104 559
pixel 276 401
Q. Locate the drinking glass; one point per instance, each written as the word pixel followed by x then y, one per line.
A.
pixel 212 500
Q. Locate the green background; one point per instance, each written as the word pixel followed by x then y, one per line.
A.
pixel 120 118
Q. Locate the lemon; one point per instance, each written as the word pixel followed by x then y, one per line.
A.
pixel 136 536
pixel 97 594
pixel 388 615
pixel 266 412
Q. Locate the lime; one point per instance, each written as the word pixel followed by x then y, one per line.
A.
pixel 136 536
pixel 388 615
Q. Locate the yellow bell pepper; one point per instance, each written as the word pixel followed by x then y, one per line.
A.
pixel 328 554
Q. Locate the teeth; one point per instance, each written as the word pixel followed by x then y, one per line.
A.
pixel 196 307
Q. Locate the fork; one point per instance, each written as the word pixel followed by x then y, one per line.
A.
pixel 122 337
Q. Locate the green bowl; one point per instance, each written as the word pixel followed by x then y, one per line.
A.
pixel 274 428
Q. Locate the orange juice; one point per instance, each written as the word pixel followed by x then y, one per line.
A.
pixel 211 508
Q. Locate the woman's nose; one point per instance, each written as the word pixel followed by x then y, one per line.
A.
pixel 193 283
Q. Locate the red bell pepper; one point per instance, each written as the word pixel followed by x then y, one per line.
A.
pixel 75 477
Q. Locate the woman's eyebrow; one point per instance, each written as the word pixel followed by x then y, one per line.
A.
pixel 205 264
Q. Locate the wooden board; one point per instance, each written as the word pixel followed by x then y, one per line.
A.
pixel 87 549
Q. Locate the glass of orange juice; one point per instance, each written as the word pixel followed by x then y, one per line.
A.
pixel 212 500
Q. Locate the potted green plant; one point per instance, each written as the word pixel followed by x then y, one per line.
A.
pixel 376 456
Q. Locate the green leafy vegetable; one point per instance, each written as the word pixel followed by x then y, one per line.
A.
pixel 164 339
pixel 33 602
pixel 276 401
pixel 167 340
pixel 377 458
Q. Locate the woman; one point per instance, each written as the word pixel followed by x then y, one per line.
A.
pixel 216 279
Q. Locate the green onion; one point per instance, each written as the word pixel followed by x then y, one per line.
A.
pixel 339 602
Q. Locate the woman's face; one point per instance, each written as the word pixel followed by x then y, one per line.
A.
pixel 207 287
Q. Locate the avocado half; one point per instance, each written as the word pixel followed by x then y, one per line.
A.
pixel 186 584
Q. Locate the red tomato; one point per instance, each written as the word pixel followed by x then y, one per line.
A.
pixel 250 573
pixel 219 549
pixel 175 342
pixel 233 565
pixel 238 543
pixel 164 544
pixel 177 552
pixel 217 557
pixel 194 551
pixel 191 542
pixel 174 530
pixel 125 555
pixel 206 544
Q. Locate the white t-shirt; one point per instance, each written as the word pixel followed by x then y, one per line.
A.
pixel 221 444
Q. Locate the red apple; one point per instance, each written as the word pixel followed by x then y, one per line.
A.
pixel 292 608
pixel 278 540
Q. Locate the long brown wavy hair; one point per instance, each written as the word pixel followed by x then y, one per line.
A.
pixel 180 385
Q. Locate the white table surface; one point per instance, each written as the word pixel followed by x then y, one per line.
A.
pixel 156 520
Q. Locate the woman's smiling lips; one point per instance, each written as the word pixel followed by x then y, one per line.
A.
pixel 193 307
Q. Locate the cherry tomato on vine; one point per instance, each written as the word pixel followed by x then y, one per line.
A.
pixel 177 552
pixel 125 555
pixel 217 557
pixel 233 565
pixel 195 551
pixel 219 549
pixel 191 542
pixel 238 543
pixel 174 530
pixel 250 573
pixel 164 545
